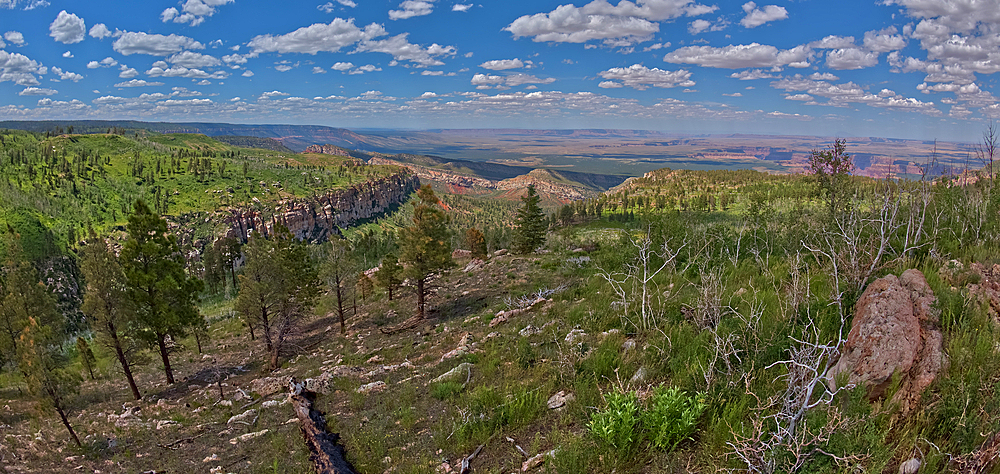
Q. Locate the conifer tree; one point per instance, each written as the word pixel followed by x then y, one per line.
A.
pixel 337 265
pixel 530 223
pixel 163 294
pixel 278 288
pixel 476 242
pixel 106 303
pixel 388 275
pixel 425 246
pixel 43 364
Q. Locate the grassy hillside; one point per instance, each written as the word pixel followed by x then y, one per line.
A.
pixel 76 181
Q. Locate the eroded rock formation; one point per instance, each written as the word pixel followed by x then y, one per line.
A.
pixel 895 329
pixel 316 219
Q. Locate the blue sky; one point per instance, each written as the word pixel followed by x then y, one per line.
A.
pixel 897 68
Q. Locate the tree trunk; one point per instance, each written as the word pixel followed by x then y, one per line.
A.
pixel 197 340
pixel 252 337
pixel 390 292
pixel 327 456
pixel 274 358
pixel 72 433
pixel 420 298
pixel 160 340
pixel 340 308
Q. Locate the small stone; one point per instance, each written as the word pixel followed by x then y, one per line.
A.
pixel 372 387
pixel 249 436
pixel 574 335
pixel 628 345
pixel 557 400
pixel 639 377
pixel 226 403
pixel 536 461
pixel 164 423
pixel 460 372
pixel 213 457
pixel 910 466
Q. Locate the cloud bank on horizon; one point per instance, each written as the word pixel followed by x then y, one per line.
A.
pixel 905 68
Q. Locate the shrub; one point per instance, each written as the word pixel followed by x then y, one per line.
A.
pixel 618 424
pixel 445 390
pixel 672 417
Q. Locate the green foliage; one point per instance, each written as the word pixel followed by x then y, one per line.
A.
pixel 831 169
pixel 475 241
pixel 617 425
pixel 278 288
pixel 156 282
pixel 105 301
pixel 530 223
pixel 672 417
pixel 388 274
pixel 425 246
pixel 445 390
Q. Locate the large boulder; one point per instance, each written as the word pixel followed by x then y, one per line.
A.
pixel 895 329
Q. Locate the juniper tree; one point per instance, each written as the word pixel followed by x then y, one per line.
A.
pixel 832 168
pixel 44 365
pixel 476 242
pixel 530 223
pixel 163 294
pixel 425 246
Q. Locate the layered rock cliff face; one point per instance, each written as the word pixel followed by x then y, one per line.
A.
pixel 316 219
pixel 328 150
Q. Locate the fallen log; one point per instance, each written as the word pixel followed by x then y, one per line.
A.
pixel 326 455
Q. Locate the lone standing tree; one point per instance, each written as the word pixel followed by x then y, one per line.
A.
pixel 425 246
pixel 832 168
pixel 530 223
pixel 163 294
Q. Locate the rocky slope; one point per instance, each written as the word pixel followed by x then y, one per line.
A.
pixel 316 218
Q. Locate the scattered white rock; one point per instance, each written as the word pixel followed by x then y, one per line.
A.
pixel 574 335
pixel 245 416
pixel 560 399
pixel 226 403
pixel 639 377
pixel 536 461
pixel 372 387
pixel 529 330
pixel 213 457
pixel 910 466
pixel 274 403
pixel 249 436
pixel 460 372
pixel 164 423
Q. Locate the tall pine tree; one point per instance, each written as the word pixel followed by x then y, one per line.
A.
pixel 425 246
pixel 163 294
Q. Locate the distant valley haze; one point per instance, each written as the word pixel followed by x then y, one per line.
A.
pixel 895 68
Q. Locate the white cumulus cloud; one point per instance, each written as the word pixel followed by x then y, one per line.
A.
pixel 100 31
pixel 138 83
pixel 193 60
pixel 402 50
pixel 193 12
pixel 461 7
pixel 412 8
pixel 502 64
pixel 67 28
pixel 740 56
pixel 851 58
pixel 758 16
pixel 37 91
pixel 329 7
pixel 18 68
pixel 327 37
pixel 618 25
pixel 153 44
pixel 640 77
pixel 14 37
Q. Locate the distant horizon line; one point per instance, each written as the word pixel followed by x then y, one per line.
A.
pixel 441 129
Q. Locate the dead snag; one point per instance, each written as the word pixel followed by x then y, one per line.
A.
pixel 327 456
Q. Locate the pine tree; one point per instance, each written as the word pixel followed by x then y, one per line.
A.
pixel 278 288
pixel 425 246
pixel 338 264
pixel 388 274
pixel 163 294
pixel 530 223
pixel 106 303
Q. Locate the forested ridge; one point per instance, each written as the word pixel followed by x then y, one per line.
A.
pixel 685 321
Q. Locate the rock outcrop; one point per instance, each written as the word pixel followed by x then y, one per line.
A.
pixel 328 150
pixel 895 330
pixel 316 219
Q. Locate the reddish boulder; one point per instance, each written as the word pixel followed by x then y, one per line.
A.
pixel 895 329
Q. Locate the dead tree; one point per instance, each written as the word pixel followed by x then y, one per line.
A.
pixel 326 455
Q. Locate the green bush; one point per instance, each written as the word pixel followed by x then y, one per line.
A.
pixel 672 417
pixel 445 390
pixel 618 424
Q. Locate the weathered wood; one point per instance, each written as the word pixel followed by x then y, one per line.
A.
pixel 326 455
